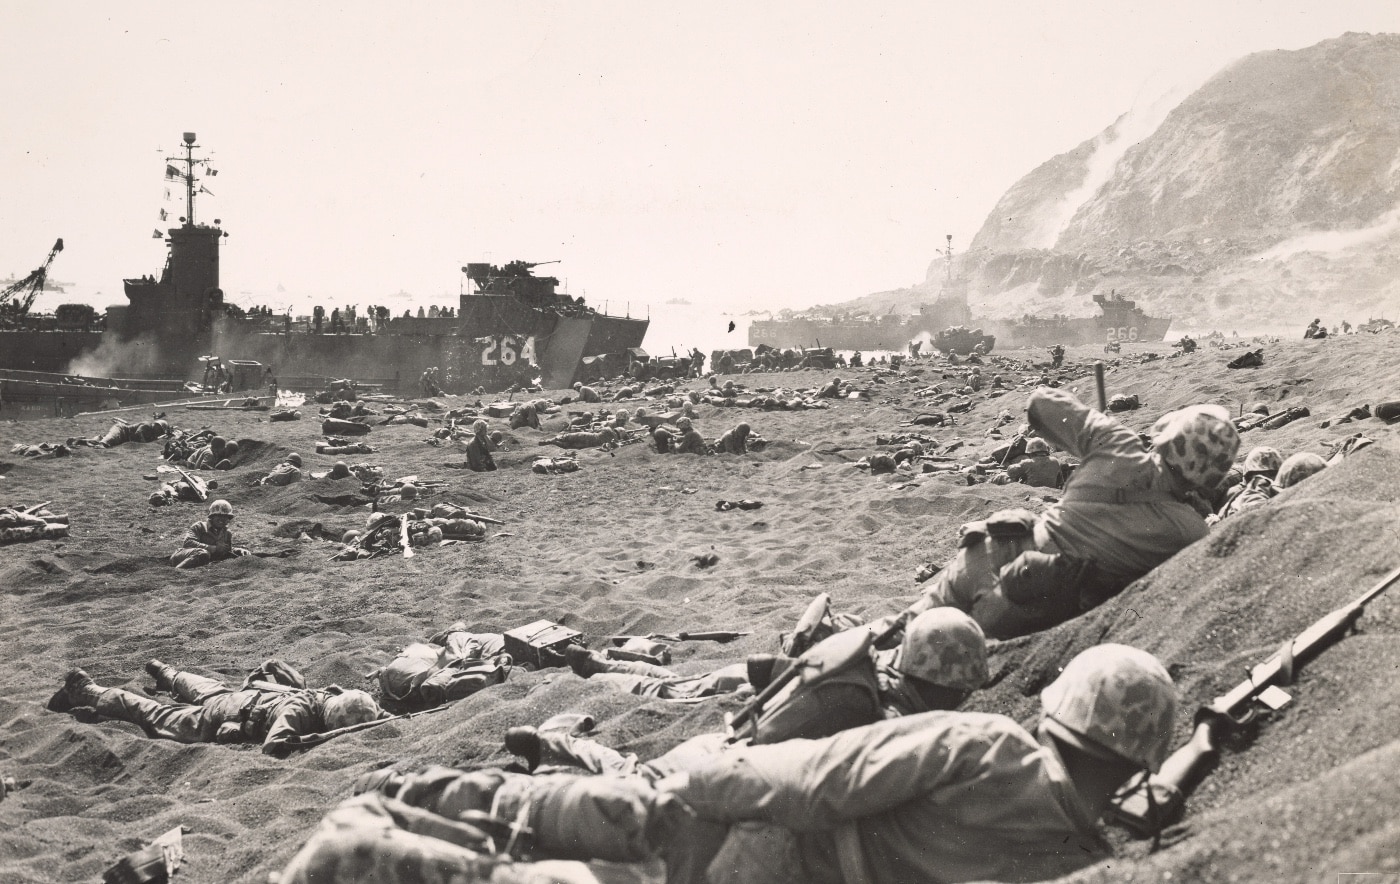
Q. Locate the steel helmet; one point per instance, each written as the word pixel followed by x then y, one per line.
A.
pixel 1298 467
pixel 946 647
pixel 1199 442
pixel 1037 446
pixel 294 459
pixel 742 429
pixel 1262 459
pixel 217 443
pixel 230 449
pixel 349 707
pixel 221 508
pixel 917 448
pixel 684 423
pixel 608 435
pixel 622 415
pixel 578 385
pixel 479 427
pixel 1113 701
pixel 408 491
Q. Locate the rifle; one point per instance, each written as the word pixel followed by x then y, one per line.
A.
pixel 1145 815
pixel 306 741
pixel 195 485
pixel 720 637
pixel 468 514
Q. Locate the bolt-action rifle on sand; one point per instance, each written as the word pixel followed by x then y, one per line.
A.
pixel 1146 809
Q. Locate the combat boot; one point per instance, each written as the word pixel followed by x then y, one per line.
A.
pixel 81 689
pixel 163 674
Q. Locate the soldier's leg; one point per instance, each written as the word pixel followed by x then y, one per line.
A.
pixel 190 558
pixel 182 723
pixel 187 686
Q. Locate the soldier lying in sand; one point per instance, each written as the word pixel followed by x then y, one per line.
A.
pixel 267 712
pixel 941 796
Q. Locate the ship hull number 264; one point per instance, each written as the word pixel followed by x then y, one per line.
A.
pixel 508 350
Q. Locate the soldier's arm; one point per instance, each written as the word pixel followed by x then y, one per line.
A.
pixel 196 538
pixel 298 716
pixel 816 785
pixel 1070 424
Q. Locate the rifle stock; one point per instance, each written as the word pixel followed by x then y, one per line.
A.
pixel 1145 815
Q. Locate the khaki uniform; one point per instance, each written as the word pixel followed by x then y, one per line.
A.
pixel 1037 470
pixel 937 797
pixel 1116 521
pixel 210 711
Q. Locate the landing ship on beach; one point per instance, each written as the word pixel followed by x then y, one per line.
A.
pixel 511 327
pixel 1120 320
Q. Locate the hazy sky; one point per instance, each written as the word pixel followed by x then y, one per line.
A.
pixel 761 154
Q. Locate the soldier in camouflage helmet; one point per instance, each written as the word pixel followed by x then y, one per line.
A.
pixel 1126 510
pixel 942 659
pixel 940 796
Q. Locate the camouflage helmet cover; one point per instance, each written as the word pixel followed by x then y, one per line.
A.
pixel 1199 442
pixel 1262 459
pixel 221 508
pixel 1113 699
pixel 946 647
pixel 1298 467
pixel 349 707
pixel 1037 446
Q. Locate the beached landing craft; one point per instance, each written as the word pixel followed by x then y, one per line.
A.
pixel 511 327
pixel 1120 320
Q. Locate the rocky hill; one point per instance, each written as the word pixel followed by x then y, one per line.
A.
pixel 1270 192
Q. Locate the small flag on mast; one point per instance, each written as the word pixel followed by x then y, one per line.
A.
pixel 156 234
pixel 171 171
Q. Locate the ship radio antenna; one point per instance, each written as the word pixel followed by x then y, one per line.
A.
pixel 950 257
pixel 189 159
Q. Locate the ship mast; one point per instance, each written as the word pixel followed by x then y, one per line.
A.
pixel 189 160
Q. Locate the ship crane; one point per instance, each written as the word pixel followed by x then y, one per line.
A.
pixel 25 291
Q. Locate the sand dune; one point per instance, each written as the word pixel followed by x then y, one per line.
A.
pixel 1307 793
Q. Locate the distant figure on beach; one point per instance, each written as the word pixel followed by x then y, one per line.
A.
pixel 1315 330
pixel 735 441
pixel 857 360
pixel 209 711
pixel 210 540
pixel 586 394
pixel 582 439
pixel 479 448
pixel 285 473
pixel 1039 469
pixel 731 325
pixel 1127 509
pixel 1057 355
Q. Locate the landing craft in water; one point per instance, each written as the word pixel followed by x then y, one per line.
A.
pixel 511 327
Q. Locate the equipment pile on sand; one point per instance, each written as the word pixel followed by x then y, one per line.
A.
pixel 18 524
pixel 385 533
